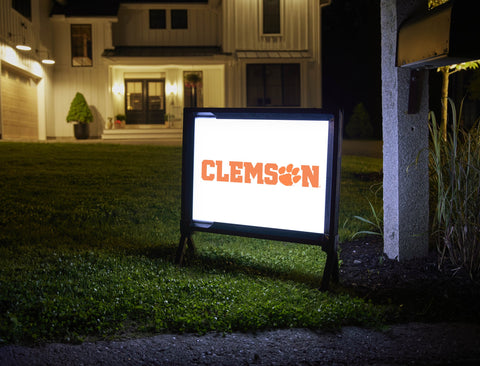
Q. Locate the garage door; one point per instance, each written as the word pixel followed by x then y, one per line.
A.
pixel 19 105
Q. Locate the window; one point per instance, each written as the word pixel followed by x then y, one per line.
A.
pixel 134 95
pixel 179 19
pixel 81 45
pixel 156 95
pixel 24 7
pixel 273 85
pixel 271 17
pixel 158 19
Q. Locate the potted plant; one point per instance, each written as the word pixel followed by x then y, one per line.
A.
pixel 81 116
pixel 120 121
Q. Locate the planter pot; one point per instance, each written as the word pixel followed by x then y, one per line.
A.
pixel 81 131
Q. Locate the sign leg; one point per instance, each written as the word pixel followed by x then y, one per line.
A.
pixel 331 271
pixel 185 241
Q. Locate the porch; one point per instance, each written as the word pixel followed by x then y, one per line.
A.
pixel 144 132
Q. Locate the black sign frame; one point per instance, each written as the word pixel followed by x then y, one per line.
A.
pixel 328 240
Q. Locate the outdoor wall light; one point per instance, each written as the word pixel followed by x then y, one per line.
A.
pixel 22 44
pixel 23 47
pixel 47 60
pixel 118 89
pixel 19 45
pixel 172 89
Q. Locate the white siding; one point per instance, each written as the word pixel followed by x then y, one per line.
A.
pixel 93 84
pixel 242 26
pixel 92 81
pixel 37 33
pixel 133 29
pixel 300 31
pixel 214 87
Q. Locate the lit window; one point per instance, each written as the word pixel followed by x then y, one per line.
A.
pixel 81 45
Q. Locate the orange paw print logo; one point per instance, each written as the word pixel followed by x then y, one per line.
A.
pixel 289 175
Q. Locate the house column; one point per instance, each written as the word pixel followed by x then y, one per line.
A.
pixel 405 144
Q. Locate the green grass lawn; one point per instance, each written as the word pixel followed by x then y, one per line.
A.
pixel 88 234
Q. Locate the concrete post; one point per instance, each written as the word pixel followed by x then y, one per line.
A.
pixel 405 138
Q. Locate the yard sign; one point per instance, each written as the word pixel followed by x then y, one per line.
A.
pixel 263 173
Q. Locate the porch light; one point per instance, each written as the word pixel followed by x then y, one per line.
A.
pixel 118 89
pixel 172 89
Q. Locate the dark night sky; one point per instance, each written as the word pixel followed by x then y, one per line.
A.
pixel 351 58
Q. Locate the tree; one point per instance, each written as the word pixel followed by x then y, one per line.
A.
pixel 359 125
pixel 446 72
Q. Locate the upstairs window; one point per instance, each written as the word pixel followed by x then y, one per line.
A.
pixel 24 7
pixel 271 16
pixel 158 19
pixel 81 45
pixel 179 19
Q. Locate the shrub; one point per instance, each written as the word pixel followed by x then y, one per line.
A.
pixel 455 165
pixel 79 110
pixel 359 125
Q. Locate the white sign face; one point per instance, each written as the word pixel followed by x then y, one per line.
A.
pixel 264 173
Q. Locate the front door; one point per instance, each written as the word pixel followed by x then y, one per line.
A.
pixel 145 101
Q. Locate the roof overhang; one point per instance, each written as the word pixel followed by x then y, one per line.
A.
pixel 279 55
pixel 154 54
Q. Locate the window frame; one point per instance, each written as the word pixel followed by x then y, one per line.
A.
pixel 261 18
pixel 89 46
pixel 153 14
pixel 178 11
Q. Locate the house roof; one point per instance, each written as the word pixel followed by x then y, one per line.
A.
pixel 165 1
pixel 158 51
pixel 89 8
pixel 85 8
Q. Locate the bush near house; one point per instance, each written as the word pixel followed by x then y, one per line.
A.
pixel 359 125
pixel 79 110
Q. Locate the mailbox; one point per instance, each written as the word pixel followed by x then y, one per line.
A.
pixel 446 35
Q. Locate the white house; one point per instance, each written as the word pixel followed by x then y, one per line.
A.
pixel 148 60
